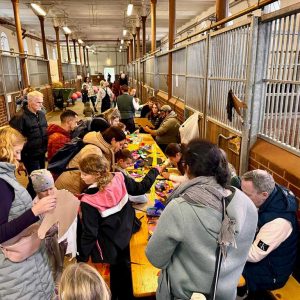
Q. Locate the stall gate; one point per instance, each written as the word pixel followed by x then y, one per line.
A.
pixel 259 60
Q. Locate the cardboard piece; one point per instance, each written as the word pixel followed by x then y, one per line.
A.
pixel 64 214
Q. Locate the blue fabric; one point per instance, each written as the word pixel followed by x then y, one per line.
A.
pixel 274 270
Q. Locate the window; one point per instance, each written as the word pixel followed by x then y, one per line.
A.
pixel 37 50
pixel 25 46
pixel 4 42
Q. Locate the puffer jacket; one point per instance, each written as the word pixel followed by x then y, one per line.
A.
pixel 70 180
pixel 168 131
pixel 32 278
pixel 57 138
pixel 34 128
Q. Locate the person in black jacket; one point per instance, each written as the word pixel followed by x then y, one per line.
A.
pixel 32 123
pixel 108 219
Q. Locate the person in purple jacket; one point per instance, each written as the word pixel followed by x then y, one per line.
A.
pixel 31 278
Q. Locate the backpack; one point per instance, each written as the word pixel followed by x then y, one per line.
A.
pixel 59 162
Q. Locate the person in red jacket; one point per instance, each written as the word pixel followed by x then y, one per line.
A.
pixel 58 136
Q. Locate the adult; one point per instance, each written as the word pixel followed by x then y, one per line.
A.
pixel 168 131
pixel 88 85
pixel 58 136
pixel 32 123
pixel 146 109
pixel 191 226
pixel 105 96
pixel 127 107
pixel 273 253
pixel 123 79
pixel 31 278
pixel 104 144
pixel 154 115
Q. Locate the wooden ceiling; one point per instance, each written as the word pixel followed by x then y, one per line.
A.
pixel 101 22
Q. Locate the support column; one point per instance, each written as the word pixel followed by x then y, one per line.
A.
pixel 88 59
pixel 42 23
pixel 144 34
pixel 130 51
pixel 172 14
pixel 60 73
pixel 75 54
pixel 68 49
pixel 84 60
pixel 134 47
pixel 222 10
pixel 153 25
pixel 127 52
pixel 15 4
pixel 138 42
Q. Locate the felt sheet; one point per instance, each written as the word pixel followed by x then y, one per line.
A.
pixel 64 214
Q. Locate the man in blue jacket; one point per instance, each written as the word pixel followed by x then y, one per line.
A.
pixel 273 253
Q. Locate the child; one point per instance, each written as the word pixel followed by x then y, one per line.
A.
pixel 81 281
pixel 174 153
pixel 123 160
pixel 85 94
pixel 123 127
pixel 107 219
pixel 87 111
pixel 43 185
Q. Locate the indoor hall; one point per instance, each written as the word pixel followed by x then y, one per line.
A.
pixel 232 65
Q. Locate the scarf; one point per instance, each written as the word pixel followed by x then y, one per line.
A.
pixel 205 191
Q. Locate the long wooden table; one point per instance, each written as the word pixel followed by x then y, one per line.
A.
pixel 144 274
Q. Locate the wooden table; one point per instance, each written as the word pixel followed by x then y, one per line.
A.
pixel 143 122
pixel 144 274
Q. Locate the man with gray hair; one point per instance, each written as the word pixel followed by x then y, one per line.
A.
pixel 273 253
pixel 32 123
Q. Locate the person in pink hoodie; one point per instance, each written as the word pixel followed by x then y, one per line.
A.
pixel 107 219
pixel 58 136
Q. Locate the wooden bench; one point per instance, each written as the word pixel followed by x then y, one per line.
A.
pixel 291 291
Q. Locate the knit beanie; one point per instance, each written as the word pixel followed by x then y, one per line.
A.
pixel 42 180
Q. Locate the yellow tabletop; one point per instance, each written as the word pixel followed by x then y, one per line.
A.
pixel 144 275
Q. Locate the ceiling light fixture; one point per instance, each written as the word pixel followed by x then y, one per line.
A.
pixel 87 47
pixel 67 30
pixel 38 10
pixel 124 32
pixel 122 42
pixel 120 50
pixel 129 9
pixel 80 41
pixel 121 47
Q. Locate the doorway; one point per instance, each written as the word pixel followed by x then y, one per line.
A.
pixel 110 71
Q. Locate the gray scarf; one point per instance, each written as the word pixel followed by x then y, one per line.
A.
pixel 206 191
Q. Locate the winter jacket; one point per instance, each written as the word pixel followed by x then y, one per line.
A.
pixel 104 238
pixel 70 180
pixel 125 106
pixel 273 271
pixel 168 131
pixel 57 138
pixel 186 240
pixel 34 128
pixel 32 278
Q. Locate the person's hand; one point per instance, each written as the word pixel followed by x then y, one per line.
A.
pixel 21 168
pixel 158 168
pixel 44 205
pixel 146 129
pixel 165 175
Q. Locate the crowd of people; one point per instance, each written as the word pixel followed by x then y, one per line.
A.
pixel 252 224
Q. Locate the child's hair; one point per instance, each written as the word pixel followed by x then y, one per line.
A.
pixel 96 165
pixel 9 138
pixel 82 282
pixel 123 154
pixel 87 104
pixel 122 125
pixel 172 149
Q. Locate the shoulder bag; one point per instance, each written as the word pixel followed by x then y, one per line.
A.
pixel 23 245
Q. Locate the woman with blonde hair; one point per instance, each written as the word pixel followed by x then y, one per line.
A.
pixel 30 278
pixel 81 281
